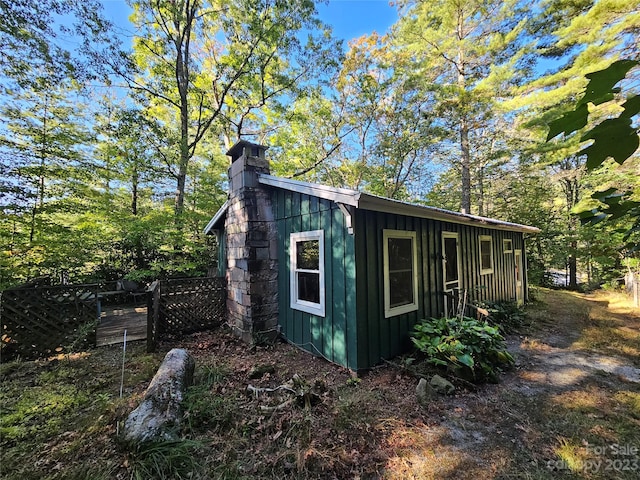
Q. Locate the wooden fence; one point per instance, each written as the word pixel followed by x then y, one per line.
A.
pixel 180 306
pixel 40 321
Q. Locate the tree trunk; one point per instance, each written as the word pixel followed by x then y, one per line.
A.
pixel 465 156
pixel 182 43
pixel 184 157
pixel 481 191
pixel 465 166
pixel 572 264
pixel 572 195
pixel 134 192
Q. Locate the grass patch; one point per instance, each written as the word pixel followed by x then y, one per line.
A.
pixel 353 408
pixel 40 412
pixel 609 329
pixel 553 305
pixel 59 417
pixel 176 460
pixel 206 408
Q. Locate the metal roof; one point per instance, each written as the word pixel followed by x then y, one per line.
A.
pixel 367 201
pixel 375 203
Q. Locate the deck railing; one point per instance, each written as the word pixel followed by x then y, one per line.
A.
pixel 43 320
pixel 184 305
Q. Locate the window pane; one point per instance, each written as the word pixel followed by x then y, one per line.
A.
pixel 400 271
pixel 400 288
pixel 399 264
pixel 308 255
pixel 309 287
pixel 451 256
pixel 400 254
pixel 485 254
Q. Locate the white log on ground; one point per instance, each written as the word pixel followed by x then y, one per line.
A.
pixel 158 416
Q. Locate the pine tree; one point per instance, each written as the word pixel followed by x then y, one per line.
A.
pixel 463 55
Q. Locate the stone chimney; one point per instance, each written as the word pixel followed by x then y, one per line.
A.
pixel 251 245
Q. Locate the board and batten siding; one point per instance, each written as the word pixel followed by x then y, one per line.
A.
pixel 334 335
pixel 383 338
pixel 222 255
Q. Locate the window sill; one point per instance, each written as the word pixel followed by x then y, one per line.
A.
pixel 307 307
pixel 394 312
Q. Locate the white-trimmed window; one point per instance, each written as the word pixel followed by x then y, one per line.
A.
pixel 486 255
pixel 507 245
pixel 307 271
pixel 400 272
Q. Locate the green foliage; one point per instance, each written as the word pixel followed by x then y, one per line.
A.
pixel 574 38
pixel 506 316
pixel 615 205
pixel 29 37
pixel 88 188
pixel 615 137
pixel 456 56
pixel 474 350
pixel 200 73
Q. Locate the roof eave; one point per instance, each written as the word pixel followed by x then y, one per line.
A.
pixel 222 211
pixel 338 195
pixel 380 204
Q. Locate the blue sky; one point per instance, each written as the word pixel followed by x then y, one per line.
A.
pixel 349 18
pixel 353 18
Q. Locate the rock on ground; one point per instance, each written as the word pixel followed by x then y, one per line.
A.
pixel 424 392
pixel 158 415
pixel 441 385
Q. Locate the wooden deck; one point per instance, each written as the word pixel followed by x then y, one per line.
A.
pixel 115 320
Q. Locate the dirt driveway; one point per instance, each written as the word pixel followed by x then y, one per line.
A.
pixel 569 409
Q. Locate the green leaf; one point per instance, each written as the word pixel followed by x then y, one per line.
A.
pixel 615 206
pixel 614 137
pixel 611 191
pixel 569 122
pixel 601 83
pixel 600 89
pixel 466 360
pixel 437 361
pixel 631 107
pixel 588 216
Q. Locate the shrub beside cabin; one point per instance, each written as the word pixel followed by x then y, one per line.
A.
pixel 345 274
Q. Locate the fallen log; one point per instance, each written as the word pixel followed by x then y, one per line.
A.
pixel 158 416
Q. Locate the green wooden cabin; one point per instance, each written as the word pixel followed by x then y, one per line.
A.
pixel 352 273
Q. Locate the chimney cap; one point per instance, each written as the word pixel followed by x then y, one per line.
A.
pixel 251 149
